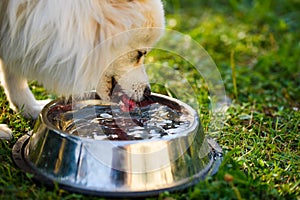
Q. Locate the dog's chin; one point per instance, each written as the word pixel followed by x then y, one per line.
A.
pixel 117 93
pixel 127 100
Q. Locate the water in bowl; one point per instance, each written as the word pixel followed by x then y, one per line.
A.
pixel 111 123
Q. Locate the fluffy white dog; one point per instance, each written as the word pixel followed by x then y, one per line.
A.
pixel 74 46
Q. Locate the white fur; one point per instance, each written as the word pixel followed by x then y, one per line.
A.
pixel 74 46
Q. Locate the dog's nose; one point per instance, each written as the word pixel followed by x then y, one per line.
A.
pixel 147 92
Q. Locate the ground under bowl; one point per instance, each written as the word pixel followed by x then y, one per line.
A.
pixel 116 167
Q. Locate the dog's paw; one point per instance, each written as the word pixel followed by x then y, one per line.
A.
pixel 33 110
pixel 5 132
pixel 42 103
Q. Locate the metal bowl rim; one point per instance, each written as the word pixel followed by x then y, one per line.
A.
pixel 190 130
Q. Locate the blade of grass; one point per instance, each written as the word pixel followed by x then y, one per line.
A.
pixel 233 74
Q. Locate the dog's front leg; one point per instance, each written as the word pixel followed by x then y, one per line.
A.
pixel 19 95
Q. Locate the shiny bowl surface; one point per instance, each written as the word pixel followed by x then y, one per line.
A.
pixel 118 168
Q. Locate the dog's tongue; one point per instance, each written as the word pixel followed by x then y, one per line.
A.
pixel 128 104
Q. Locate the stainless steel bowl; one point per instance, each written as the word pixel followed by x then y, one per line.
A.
pixel 118 168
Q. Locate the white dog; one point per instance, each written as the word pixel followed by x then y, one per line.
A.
pixel 74 46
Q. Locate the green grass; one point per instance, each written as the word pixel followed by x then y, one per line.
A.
pixel 256 46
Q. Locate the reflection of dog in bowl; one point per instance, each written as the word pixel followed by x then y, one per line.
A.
pixel 51 41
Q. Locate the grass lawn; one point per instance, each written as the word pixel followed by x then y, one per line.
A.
pixel 256 47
